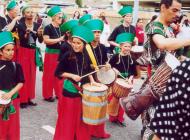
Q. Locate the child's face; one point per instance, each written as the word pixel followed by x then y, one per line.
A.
pixel 77 45
pixel 7 52
pixel 125 48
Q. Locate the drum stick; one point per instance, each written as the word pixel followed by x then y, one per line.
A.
pixel 122 76
pixel 2 67
pixel 89 73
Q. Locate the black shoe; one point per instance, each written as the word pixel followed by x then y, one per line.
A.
pixel 23 105
pixel 32 103
pixel 50 99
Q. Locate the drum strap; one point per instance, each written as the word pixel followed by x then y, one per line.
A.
pixel 77 87
pixel 91 55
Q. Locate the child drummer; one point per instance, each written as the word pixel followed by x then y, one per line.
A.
pixel 11 81
pixel 99 51
pixel 126 66
pixel 73 65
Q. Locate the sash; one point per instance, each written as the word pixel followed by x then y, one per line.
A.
pixel 54 51
pixel 10 109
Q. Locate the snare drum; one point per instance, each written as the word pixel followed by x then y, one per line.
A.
pixel 121 88
pixel 94 104
pixel 3 103
pixel 106 76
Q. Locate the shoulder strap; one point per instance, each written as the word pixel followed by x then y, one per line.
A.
pixel 14 65
pixel 91 55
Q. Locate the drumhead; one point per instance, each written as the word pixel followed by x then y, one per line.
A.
pixel 137 49
pixel 171 61
pixel 123 83
pixel 105 76
pixel 92 88
pixel 3 102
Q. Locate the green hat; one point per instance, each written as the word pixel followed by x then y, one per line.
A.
pixel 85 18
pixel 6 38
pixel 67 26
pixel 83 33
pixel 54 11
pixel 95 25
pixel 126 10
pixel 125 37
pixel 11 5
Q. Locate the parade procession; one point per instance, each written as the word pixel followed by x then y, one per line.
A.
pixel 88 76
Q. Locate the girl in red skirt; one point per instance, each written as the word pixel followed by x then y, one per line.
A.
pixel 74 64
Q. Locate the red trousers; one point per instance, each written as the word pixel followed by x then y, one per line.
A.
pixel 49 82
pixel 98 130
pixel 120 116
pixel 69 123
pixel 10 129
pixel 26 58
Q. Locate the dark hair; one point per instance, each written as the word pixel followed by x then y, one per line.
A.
pixel 139 19
pixel 168 3
pixel 75 13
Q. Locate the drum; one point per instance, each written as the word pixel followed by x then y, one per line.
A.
pixel 106 76
pixel 151 91
pixel 94 104
pixel 121 88
pixel 137 51
pixel 3 103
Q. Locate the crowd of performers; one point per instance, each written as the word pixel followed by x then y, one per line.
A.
pixel 88 84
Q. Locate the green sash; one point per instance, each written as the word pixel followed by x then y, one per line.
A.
pixel 38 57
pixel 54 51
pixel 10 109
pixel 68 86
pixel 125 74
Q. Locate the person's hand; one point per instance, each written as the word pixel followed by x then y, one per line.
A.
pixel 108 66
pixel 95 84
pixel 40 31
pixel 76 78
pixel 6 96
pixel 17 18
pixel 130 80
pixel 62 38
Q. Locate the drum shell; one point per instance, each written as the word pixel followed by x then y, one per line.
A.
pixel 94 106
pixel 120 91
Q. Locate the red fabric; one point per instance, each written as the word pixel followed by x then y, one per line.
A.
pixel 139 34
pixel 98 130
pixel 26 58
pixel 49 82
pixel 16 47
pixel 120 116
pixel 10 130
pixel 69 123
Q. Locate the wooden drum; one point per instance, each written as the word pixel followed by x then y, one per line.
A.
pixel 94 104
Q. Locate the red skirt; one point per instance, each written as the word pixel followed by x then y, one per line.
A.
pixel 10 129
pixel 49 82
pixel 69 123
pixel 27 60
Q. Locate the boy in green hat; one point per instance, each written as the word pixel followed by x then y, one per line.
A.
pixel 66 29
pixel 85 18
pixel 126 66
pixel 53 38
pixel 72 67
pixel 99 50
pixel 125 27
pixel 11 81
pixel 10 23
